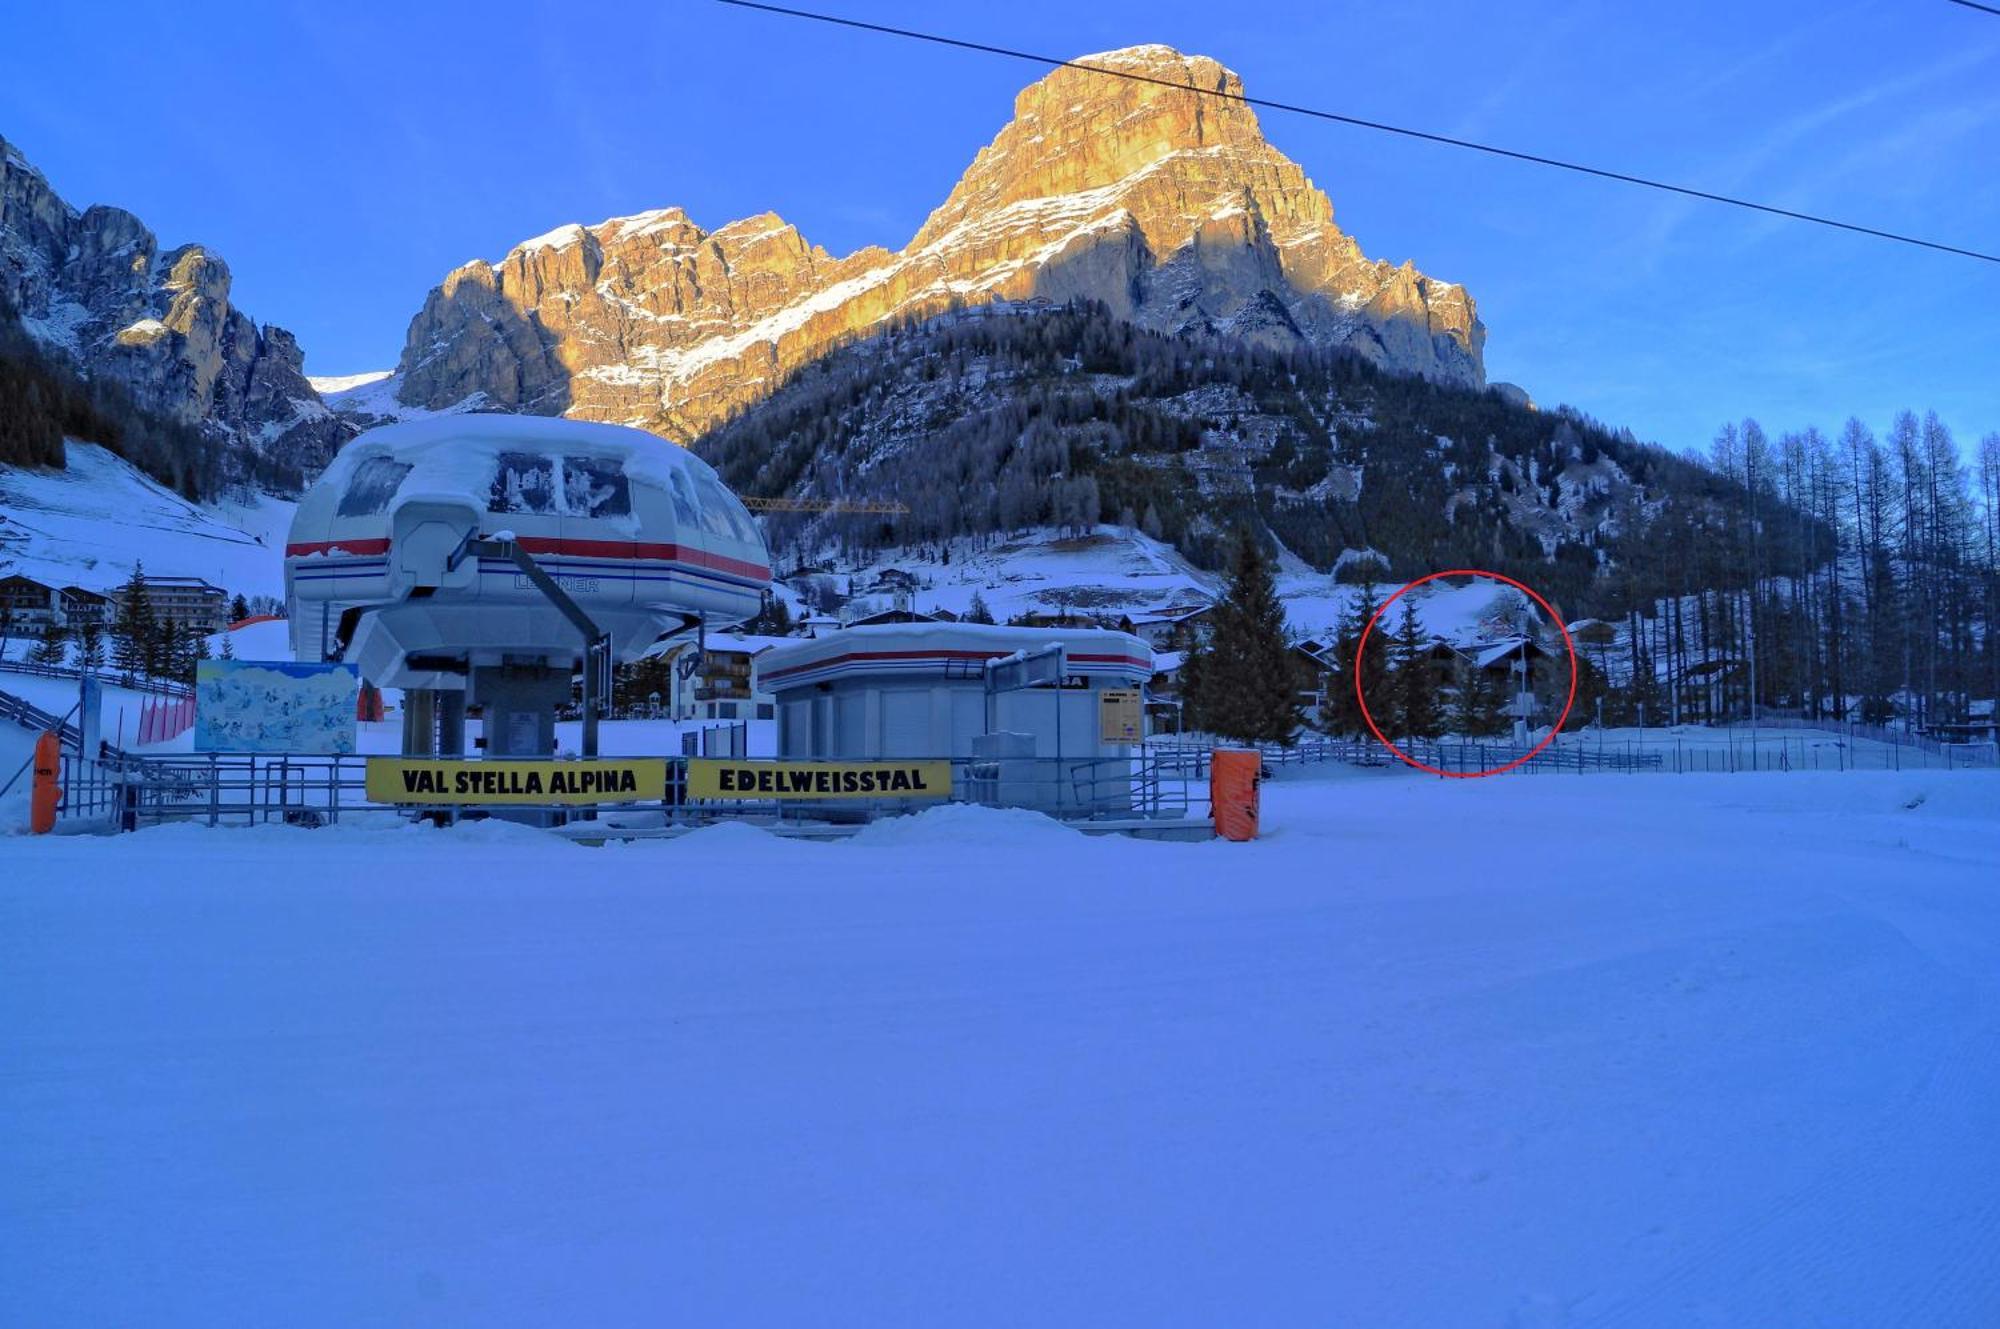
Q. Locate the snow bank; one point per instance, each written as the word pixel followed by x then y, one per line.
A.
pixel 964 825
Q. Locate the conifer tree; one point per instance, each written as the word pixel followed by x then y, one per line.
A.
pixel 1344 709
pixel 239 608
pixel 1415 691
pixel 978 612
pixel 165 657
pixel 50 648
pixel 1240 683
pixel 134 630
pixel 1477 712
pixel 89 643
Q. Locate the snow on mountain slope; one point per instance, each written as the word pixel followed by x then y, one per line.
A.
pixel 1115 571
pixel 1110 571
pixel 330 385
pixel 87 524
pixel 367 400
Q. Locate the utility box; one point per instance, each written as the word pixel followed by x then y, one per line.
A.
pixel 519 703
pixel 1002 770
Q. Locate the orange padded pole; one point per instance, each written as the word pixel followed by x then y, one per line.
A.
pixel 1233 775
pixel 47 794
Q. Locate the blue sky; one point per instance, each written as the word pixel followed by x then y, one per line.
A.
pixel 343 157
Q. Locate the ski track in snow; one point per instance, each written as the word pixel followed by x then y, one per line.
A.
pixel 1631 1051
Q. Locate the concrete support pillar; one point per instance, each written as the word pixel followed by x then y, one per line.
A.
pixel 420 722
pixel 450 723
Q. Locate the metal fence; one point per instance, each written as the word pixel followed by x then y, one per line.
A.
pixel 112 678
pixel 125 792
pixel 1809 748
pixel 22 712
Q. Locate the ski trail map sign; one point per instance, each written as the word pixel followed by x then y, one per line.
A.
pixel 274 706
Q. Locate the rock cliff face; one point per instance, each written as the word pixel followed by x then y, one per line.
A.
pixel 96 287
pixel 1159 200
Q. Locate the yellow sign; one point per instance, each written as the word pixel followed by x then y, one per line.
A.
pixel 721 778
pixel 1120 716
pixel 427 780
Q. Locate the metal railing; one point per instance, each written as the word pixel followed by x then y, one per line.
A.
pixel 125 792
pixel 137 682
pixel 1855 731
pixel 1739 750
pixel 21 711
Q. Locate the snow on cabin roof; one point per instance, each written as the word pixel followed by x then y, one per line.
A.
pixel 931 647
pixel 453 452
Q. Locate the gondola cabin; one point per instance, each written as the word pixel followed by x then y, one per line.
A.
pixel 640 532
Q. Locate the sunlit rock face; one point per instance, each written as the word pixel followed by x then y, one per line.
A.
pixel 96 288
pixel 1155 197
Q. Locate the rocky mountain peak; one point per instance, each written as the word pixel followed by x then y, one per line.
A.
pixel 1078 130
pixel 1150 194
pixel 95 288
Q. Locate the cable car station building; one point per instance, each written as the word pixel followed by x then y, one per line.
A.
pixel 1030 710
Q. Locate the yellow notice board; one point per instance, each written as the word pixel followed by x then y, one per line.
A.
pixel 721 778
pixel 428 780
pixel 1120 716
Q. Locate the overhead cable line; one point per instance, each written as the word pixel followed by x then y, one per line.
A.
pixel 1359 123
pixel 1973 4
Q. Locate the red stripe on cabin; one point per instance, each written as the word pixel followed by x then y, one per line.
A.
pixel 542 544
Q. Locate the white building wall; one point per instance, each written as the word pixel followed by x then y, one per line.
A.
pixel 873 719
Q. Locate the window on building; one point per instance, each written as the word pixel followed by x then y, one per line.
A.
pixel 766 710
pixel 375 482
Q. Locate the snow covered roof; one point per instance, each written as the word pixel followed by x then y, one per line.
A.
pixel 933 648
pixel 1486 654
pixel 1178 614
pixel 751 643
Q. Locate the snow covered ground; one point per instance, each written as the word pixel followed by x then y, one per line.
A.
pixel 1661 1052
pixel 88 523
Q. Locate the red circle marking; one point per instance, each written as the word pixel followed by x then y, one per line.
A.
pixel 1568 645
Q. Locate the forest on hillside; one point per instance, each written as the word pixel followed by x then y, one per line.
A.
pixel 44 400
pixel 1890 612
pixel 1066 416
pixel 1838 576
